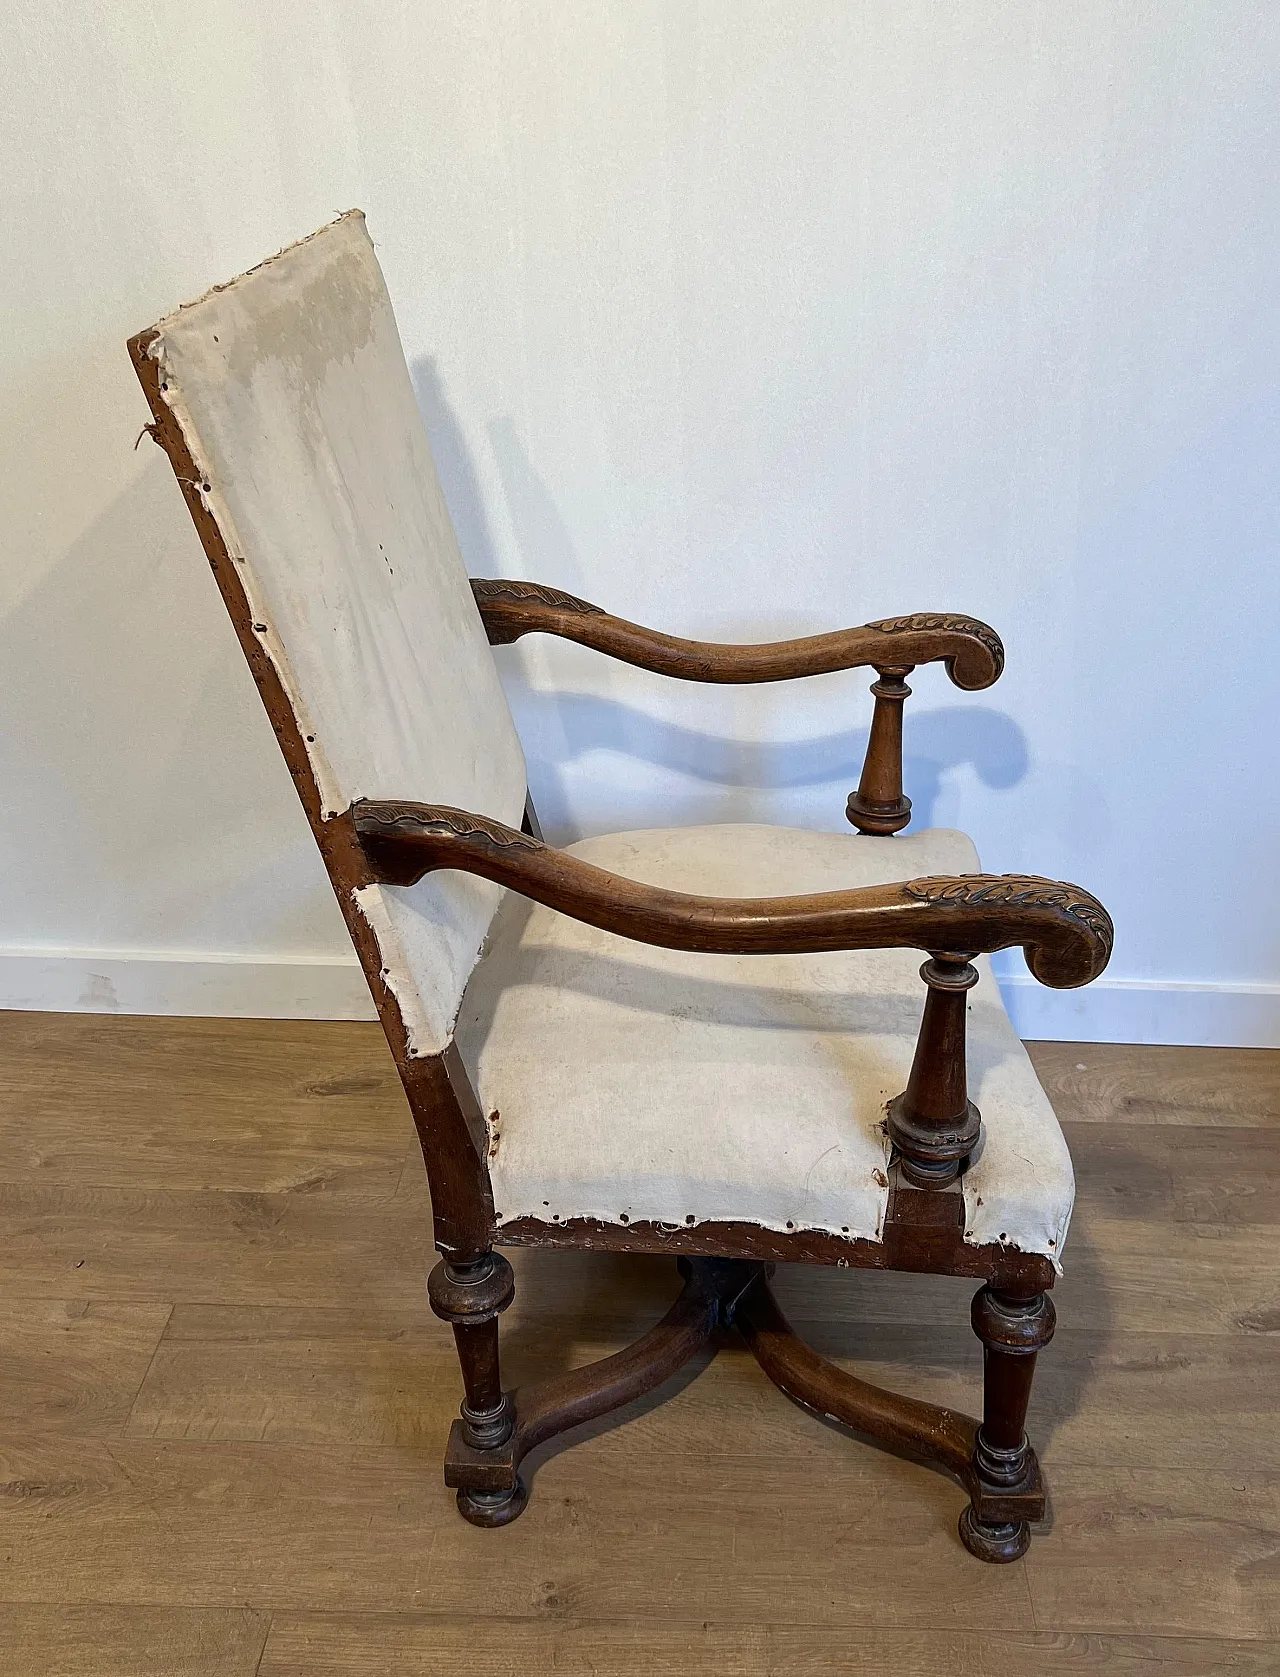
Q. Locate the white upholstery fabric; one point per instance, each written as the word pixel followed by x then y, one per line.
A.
pixel 624 1081
pixel 291 389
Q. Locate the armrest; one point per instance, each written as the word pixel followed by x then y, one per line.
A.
pixel 971 651
pixel 1066 933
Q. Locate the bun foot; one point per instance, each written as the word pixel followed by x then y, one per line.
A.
pixel 494 1508
pixel 994 1543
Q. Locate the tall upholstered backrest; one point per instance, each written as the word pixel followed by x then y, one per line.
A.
pixel 290 390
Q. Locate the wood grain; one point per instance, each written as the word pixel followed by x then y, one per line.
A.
pixel 314 1376
pixel 320 1529
pixel 110 1641
pixel 406 1645
pixel 971 650
pixel 268 1106
pixel 1182 1174
pixel 223 1400
pixel 1209 1544
pixel 1115 1082
pixel 1064 932
pixel 892 1653
pixel 120 1243
pixel 74 1364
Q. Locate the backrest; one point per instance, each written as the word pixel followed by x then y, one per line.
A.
pixel 290 388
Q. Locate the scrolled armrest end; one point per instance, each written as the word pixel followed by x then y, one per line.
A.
pixel 971 650
pixel 1065 931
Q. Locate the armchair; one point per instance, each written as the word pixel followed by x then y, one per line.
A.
pixel 711 1041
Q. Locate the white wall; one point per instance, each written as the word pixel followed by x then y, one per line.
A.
pixel 741 318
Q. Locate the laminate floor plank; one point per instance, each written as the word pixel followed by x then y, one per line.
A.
pixel 1118 1082
pixel 246 1105
pixel 892 1653
pixel 322 1529
pixel 1042 1654
pixel 223 1399
pixel 408 1645
pixel 1171 1551
pixel 339 1377
pixel 111 1641
pixel 1186 1174
pixel 74 1365
pixel 187 1246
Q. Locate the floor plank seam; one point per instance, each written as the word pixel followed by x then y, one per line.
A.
pixel 151 1363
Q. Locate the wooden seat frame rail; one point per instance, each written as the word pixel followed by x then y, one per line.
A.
pixel 932 1124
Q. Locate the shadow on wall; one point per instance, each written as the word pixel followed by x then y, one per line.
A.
pixel 759 780
pixel 732 778
pixel 132 732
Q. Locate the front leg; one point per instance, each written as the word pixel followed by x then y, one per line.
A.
pixel 471 1294
pixel 1012 1331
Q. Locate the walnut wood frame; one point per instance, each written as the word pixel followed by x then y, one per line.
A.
pixel 1067 938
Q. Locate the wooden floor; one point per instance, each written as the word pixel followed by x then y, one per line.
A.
pixel 223 1400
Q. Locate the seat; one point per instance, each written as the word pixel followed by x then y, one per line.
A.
pixel 720 1043
pixel 591 1054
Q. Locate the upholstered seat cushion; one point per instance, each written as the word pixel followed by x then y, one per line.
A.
pixel 630 1083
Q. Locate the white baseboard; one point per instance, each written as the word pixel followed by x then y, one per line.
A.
pixel 333 987
pixel 175 982
pixel 1147 1010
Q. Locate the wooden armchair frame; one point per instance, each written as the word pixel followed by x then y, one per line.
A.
pixel 726 1265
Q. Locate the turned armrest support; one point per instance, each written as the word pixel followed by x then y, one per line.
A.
pixel 1065 932
pixel 972 652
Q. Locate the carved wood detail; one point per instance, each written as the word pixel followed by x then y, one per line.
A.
pixel 1013 1330
pixel 934 1125
pixel 879 808
pixel 971 651
pixel 949 623
pixel 502 592
pixel 738 1295
pixel 388 818
pixel 489 1479
pixel 399 841
pixel 1063 949
pixel 1023 891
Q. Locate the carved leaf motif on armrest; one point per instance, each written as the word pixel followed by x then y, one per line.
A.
pixel 1019 890
pixel 539 593
pixel 390 818
pixel 970 650
pixel 1065 932
pixel 946 622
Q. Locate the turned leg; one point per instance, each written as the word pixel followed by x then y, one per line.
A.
pixel 878 806
pixel 933 1124
pixel 1012 1331
pixel 471 1294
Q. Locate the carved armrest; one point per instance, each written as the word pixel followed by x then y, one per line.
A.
pixel 1066 933
pixel 972 652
